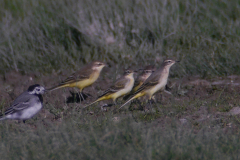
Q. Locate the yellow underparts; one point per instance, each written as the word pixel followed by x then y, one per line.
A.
pixel 84 83
pixel 112 96
pixel 138 95
pixel 136 88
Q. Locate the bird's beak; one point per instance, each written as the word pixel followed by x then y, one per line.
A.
pixel 45 90
pixel 135 71
pixel 177 61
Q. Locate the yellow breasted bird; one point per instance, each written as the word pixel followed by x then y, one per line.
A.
pixel 121 87
pixel 83 78
pixel 147 71
pixel 156 82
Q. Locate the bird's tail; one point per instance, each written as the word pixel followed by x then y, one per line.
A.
pixel 56 87
pixel 140 94
pixel 92 103
pixel 99 99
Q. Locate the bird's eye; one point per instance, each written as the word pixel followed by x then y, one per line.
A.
pixel 38 89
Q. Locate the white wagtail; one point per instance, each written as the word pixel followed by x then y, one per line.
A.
pixel 26 105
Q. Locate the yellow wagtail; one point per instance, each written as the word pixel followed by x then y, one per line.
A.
pixel 157 81
pixel 147 71
pixel 83 78
pixel 121 87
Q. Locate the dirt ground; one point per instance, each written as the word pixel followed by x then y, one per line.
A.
pixel 191 99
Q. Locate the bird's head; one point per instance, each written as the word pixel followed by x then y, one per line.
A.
pixel 129 72
pixel 36 89
pixel 169 62
pixel 148 70
pixel 98 65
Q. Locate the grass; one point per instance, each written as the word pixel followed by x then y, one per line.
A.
pixel 55 37
pixel 49 36
pixel 73 133
pixel 98 137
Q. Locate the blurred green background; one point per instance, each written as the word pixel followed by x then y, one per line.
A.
pixel 46 36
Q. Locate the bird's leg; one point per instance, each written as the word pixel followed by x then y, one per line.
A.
pixel 167 88
pixel 150 102
pixel 140 104
pixel 24 121
pixel 81 93
pixel 137 106
pixel 81 96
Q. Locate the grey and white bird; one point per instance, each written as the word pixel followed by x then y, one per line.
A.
pixel 26 105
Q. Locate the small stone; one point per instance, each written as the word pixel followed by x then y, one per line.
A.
pixel 234 111
pixel 110 40
pixel 183 120
pixel 116 119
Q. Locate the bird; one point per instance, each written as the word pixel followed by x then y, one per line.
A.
pixel 83 78
pixel 121 87
pixel 26 105
pixel 155 82
pixel 147 71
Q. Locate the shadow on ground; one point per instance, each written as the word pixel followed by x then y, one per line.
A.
pixel 77 97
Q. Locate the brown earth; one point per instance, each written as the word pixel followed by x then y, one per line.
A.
pixel 193 99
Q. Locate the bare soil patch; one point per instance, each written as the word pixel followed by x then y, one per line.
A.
pixel 193 100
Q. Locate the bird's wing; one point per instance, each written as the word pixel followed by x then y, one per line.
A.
pixel 118 85
pixel 17 107
pixel 84 73
pixel 20 103
pixel 150 82
pixel 137 83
